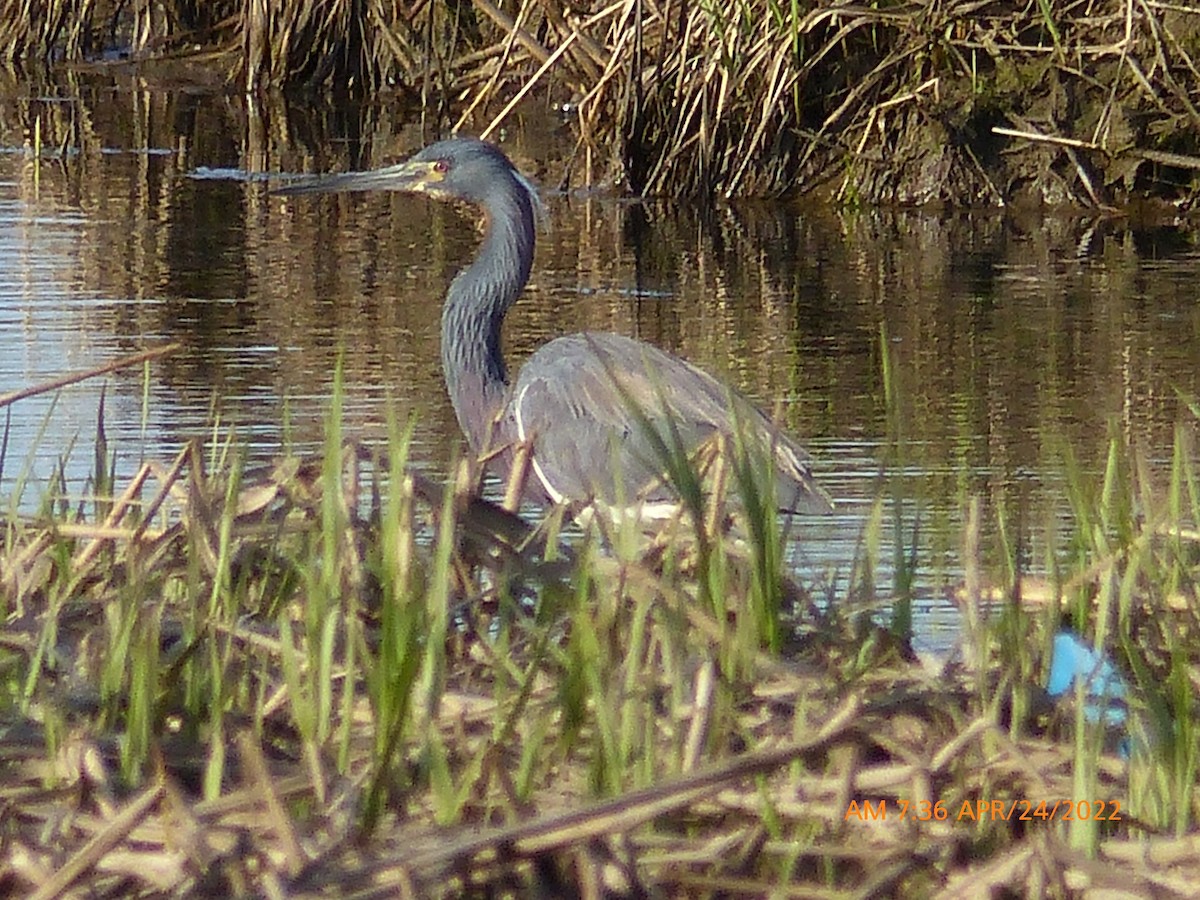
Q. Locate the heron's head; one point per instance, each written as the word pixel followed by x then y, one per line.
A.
pixel 456 169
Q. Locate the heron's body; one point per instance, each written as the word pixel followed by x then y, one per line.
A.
pixel 578 400
pixel 585 404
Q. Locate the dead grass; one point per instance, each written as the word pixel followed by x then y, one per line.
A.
pixel 336 678
pixel 984 103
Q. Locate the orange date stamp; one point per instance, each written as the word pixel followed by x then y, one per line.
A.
pixel 1018 810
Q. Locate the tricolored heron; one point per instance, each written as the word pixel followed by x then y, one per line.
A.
pixel 592 408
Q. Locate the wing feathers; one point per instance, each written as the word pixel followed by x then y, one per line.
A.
pixel 585 402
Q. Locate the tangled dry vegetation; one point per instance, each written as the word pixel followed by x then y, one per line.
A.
pixel 336 678
pixel 1091 103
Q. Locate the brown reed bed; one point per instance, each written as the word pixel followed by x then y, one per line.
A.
pixel 1087 104
pixel 333 677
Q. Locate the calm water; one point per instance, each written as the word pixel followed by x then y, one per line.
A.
pixel 1012 336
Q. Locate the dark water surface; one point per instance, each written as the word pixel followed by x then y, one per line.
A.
pixel 1013 337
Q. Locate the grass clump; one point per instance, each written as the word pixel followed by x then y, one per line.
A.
pixel 336 677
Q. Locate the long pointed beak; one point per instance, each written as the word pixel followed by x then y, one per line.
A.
pixel 411 176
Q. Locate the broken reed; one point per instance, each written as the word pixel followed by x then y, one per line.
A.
pixel 910 105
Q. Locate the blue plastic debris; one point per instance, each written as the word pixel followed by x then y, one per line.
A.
pixel 1105 690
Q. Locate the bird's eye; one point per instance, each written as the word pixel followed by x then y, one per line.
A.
pixel 441 166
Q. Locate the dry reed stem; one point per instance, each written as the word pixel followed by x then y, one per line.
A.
pixel 56 384
pixel 526 88
pixel 101 844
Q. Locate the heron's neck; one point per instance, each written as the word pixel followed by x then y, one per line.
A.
pixel 474 312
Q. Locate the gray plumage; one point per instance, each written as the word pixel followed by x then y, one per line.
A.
pixel 577 399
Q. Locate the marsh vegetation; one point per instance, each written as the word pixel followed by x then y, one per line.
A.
pixel 1083 104
pixel 334 677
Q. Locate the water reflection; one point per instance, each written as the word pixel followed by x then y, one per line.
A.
pixel 1011 338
